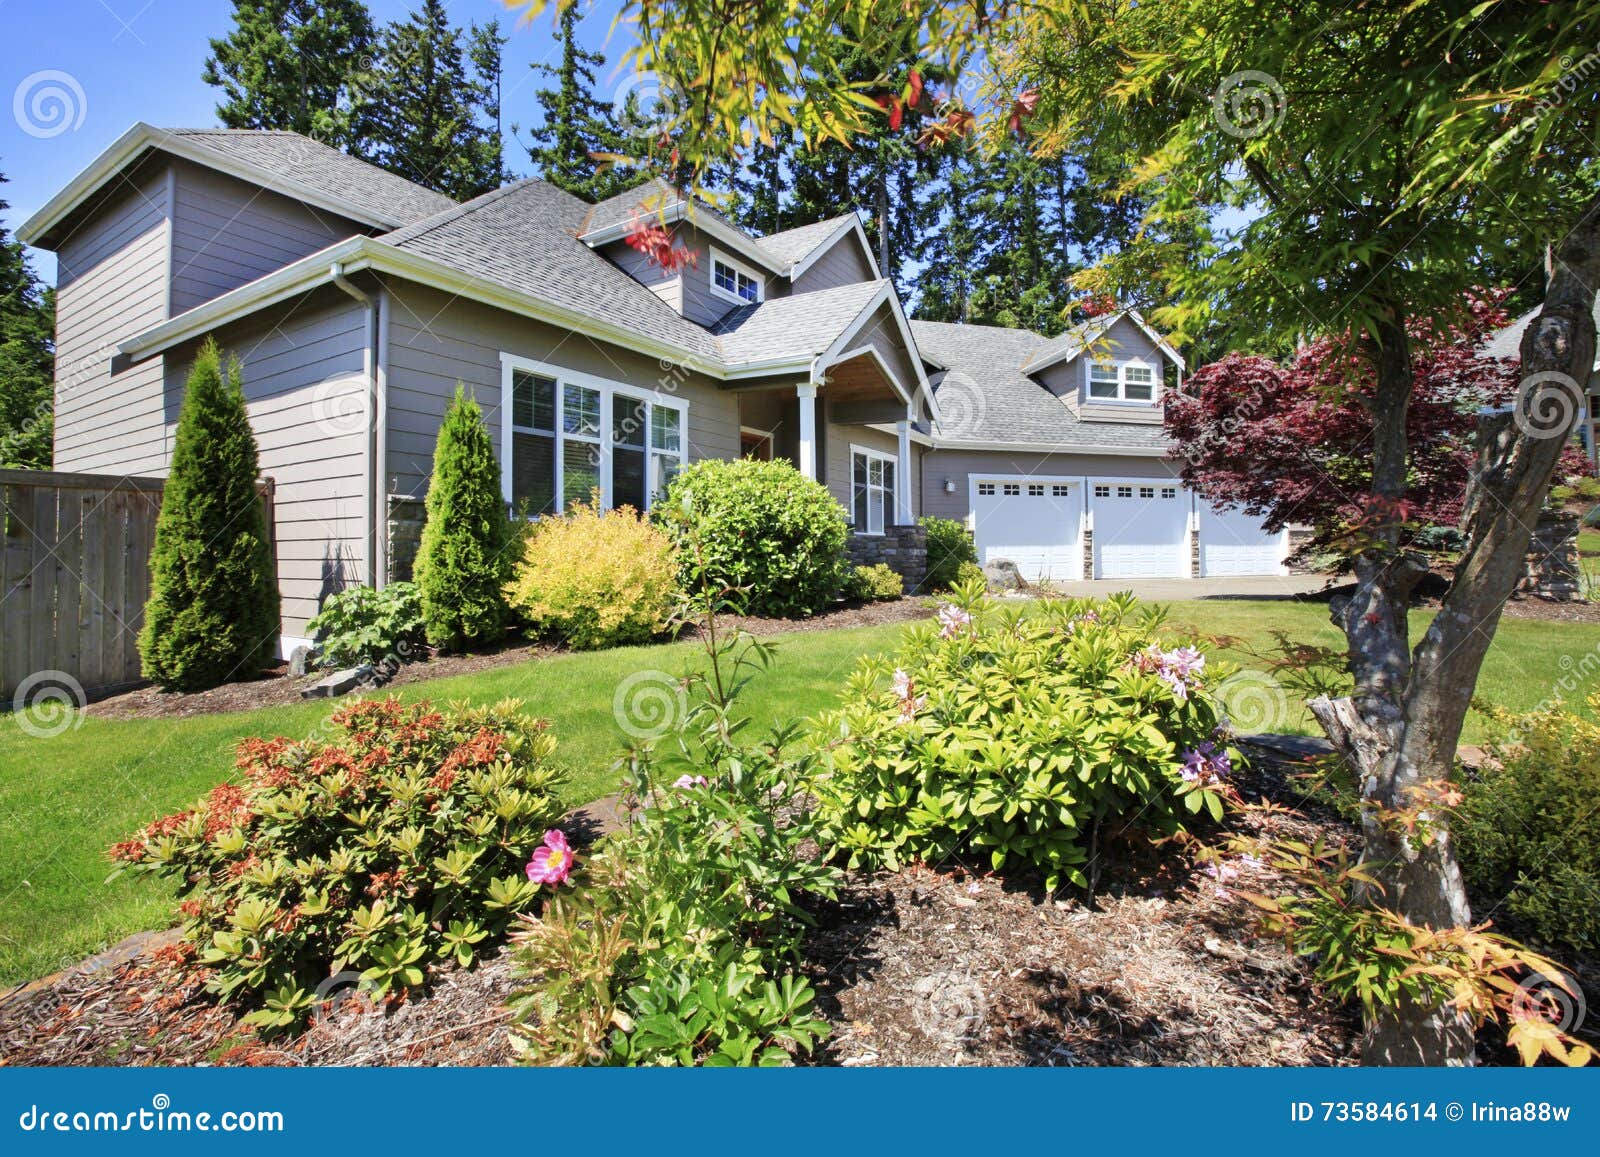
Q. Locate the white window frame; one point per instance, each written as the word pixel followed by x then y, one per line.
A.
pixel 738 267
pixel 886 494
pixel 511 365
pixel 1122 367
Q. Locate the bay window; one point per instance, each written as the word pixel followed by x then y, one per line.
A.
pixel 567 435
pixel 872 489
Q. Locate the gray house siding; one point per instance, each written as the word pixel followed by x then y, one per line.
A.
pixel 111 283
pixel 1068 380
pixel 436 341
pixel 959 465
pixel 226 232
pixel 305 383
pixel 843 264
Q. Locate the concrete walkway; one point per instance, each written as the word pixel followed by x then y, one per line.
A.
pixel 1171 590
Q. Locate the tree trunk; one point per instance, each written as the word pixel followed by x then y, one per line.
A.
pixel 1401 727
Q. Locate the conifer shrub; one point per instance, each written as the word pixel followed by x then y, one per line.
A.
pixel 594 578
pixel 465 557
pixel 764 529
pixel 213 610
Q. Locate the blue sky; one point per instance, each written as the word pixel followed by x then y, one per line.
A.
pixel 136 60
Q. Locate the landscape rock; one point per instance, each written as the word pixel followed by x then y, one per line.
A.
pixel 1003 575
pixel 340 682
pixel 300 661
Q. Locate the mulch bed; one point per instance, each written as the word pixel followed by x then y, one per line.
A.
pixel 275 688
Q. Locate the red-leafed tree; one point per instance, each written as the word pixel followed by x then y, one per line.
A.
pixel 1292 443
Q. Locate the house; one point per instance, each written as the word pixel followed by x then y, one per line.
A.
pixel 356 301
pixel 1507 343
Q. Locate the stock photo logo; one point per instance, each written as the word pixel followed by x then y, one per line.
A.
pixel 963 406
pixel 1546 404
pixel 645 105
pixel 1254 703
pixel 49 103
pixel 49 703
pixel 648 704
pixel 1248 104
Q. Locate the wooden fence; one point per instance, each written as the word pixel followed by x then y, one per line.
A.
pixel 74 576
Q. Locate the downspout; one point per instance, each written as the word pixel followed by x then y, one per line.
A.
pixel 369 370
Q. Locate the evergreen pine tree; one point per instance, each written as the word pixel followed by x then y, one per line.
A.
pixel 213 609
pixel 464 561
pixel 27 358
pixel 577 130
pixel 294 64
pixel 431 112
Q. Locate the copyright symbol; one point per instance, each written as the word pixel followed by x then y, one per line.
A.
pixel 1453 1111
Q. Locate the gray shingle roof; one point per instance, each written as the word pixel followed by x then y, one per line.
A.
pixel 524 237
pixel 805 324
pixel 794 245
pixel 293 157
pixel 985 396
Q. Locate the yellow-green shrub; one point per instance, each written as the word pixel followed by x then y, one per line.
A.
pixel 596 579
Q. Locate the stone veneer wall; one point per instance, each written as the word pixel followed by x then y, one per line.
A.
pixel 406 516
pixel 1552 571
pixel 903 549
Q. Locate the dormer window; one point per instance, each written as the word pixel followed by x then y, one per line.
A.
pixel 1131 381
pixel 734 282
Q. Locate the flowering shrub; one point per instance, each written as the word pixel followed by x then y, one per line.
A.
pixel 400 841
pixel 596 579
pixel 1527 827
pixel 762 528
pixel 362 625
pixel 1016 733
pixel 677 946
pixel 874 583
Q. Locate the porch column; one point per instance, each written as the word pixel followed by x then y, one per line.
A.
pixel 807 395
pixel 902 477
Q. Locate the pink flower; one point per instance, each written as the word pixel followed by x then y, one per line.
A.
pixel 953 621
pixel 906 691
pixel 902 684
pixel 551 864
pixel 686 782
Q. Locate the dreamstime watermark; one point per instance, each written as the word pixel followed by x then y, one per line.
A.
pixel 1556 1000
pixel 1574 74
pixel 159 1117
pixel 963 406
pixel 1248 104
pixel 645 105
pixel 1254 702
pixel 949 1007
pixel 48 703
pixel 648 704
pixel 342 406
pixel 48 103
pixel 1547 404
pixel 1576 674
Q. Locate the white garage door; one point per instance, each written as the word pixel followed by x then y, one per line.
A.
pixel 1036 523
pixel 1140 528
pixel 1233 543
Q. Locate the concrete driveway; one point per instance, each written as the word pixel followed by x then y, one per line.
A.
pixel 1171 590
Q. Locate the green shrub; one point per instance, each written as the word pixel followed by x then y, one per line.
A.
pixel 950 550
pixel 874 583
pixel 399 842
pixel 680 943
pixel 213 608
pixel 361 625
pixel 1015 734
pixel 596 579
pixel 763 527
pixel 465 556
pixel 969 573
pixel 1528 829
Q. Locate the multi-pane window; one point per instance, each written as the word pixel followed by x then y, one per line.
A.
pixel 734 281
pixel 1035 490
pixel 1102 492
pixel 571 440
pixel 1169 492
pixel 872 488
pixel 1059 490
pixel 1124 492
pixel 1011 489
pixel 1122 381
pixel 986 488
pixel 1147 492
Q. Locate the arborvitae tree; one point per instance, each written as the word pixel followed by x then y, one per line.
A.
pixel 213 609
pixel 432 108
pixel 294 64
pixel 578 131
pixel 27 358
pixel 465 558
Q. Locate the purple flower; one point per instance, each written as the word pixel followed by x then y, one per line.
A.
pixel 686 782
pixel 953 621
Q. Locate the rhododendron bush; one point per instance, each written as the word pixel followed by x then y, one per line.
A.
pixel 403 838
pixel 1016 734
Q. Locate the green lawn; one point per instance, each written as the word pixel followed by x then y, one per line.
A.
pixel 63 800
